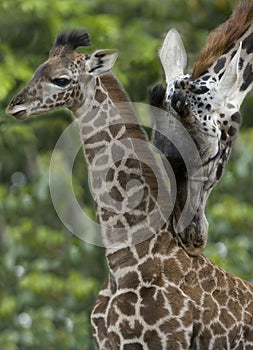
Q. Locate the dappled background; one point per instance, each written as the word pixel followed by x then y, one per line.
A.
pixel 49 278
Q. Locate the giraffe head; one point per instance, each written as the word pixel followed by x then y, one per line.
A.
pixel 207 104
pixel 65 79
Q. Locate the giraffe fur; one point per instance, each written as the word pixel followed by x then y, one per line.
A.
pixel 156 296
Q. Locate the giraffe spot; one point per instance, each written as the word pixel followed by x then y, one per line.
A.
pixel 149 270
pixel 106 214
pixel 142 248
pixel 197 329
pixel 113 111
pixel 201 90
pixel 121 258
pixel 208 285
pixel 102 160
pixel 187 318
pixel 133 346
pixel 232 131
pixel 86 129
pixel 72 95
pixel 230 106
pixel 49 101
pixel 223 135
pixel 219 171
pixel 130 280
pixel 99 323
pixel 163 244
pixel 220 295
pixel 101 120
pixel 205 77
pixel 172 270
pixel 96 179
pixel 219 65
pixel 221 342
pixel 248 44
pixel 217 328
pixel 59 104
pixel 205 338
pixel 210 311
pixel 101 304
pixel 249 332
pixel 114 339
pixel 130 331
pixel 235 308
pixel 220 75
pixel 117 153
pixel 91 115
pixel 178 340
pixel 98 137
pixel 124 177
pixel 126 303
pixel 152 305
pixel 115 194
pixel 236 117
pixel 241 63
pixel 133 220
pixel 226 317
pixel 115 129
pixel 152 339
pixel 110 175
pixel 170 326
pixel 100 96
pixel 247 77
pixel 191 278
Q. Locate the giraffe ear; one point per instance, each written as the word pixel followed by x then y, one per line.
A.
pixel 173 56
pixel 229 84
pixel 101 61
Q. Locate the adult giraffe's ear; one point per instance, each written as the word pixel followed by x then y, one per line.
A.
pixel 229 85
pixel 101 61
pixel 237 79
pixel 173 56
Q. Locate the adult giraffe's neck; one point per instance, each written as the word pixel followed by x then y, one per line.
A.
pixel 132 200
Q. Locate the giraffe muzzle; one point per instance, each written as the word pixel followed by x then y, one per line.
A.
pixel 17 111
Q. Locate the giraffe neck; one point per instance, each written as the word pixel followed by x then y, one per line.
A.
pixel 131 198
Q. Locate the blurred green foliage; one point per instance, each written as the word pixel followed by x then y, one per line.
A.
pixel 49 278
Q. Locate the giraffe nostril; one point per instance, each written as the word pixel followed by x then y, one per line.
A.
pixel 18 100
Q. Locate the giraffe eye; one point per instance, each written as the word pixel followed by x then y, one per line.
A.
pixel 61 82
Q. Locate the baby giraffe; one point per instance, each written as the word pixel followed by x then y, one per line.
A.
pixel 156 295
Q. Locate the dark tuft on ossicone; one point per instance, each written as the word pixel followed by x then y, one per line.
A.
pixel 72 40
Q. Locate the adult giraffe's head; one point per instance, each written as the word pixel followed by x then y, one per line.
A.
pixel 208 100
pixel 207 103
pixel 65 79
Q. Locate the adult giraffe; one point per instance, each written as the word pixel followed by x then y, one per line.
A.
pixel 207 103
pixel 156 295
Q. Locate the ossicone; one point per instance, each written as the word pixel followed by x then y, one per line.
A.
pixel 71 40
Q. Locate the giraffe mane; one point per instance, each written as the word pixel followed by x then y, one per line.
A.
pixel 134 129
pixel 121 99
pixel 70 41
pixel 224 36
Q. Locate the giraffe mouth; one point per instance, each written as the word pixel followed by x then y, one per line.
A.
pixel 18 112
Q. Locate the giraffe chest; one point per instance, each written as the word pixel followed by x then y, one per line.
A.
pixel 201 309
